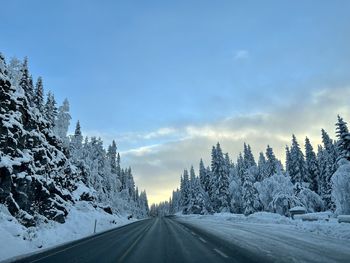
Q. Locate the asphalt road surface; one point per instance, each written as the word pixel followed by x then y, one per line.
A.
pixel 160 239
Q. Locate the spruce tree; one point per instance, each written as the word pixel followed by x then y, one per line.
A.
pixel 262 171
pixel 271 162
pixel 343 144
pixel 311 165
pixel 249 160
pixel 39 95
pixel 330 156
pixel 50 109
pixel 62 122
pixel 250 198
pixel 297 167
pixel 112 156
pixel 220 181
pixel 26 82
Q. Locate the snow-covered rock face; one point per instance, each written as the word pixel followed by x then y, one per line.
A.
pixel 32 163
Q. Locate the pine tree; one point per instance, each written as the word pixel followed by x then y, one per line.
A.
pixel 50 109
pixel 249 160
pixel 288 160
pixel 240 167
pixel 262 169
pixel 330 156
pixel 185 191
pixel 39 95
pixel 220 196
pixel 14 71
pixel 271 162
pixel 297 166
pixel 203 176
pixel 26 82
pixel 343 144
pixel 62 122
pixel 311 165
pixel 250 198
pixel 112 156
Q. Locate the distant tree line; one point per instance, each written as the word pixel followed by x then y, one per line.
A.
pixel 317 181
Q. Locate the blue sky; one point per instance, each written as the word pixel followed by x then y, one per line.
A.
pixel 149 73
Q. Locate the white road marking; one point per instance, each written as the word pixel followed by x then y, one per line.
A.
pixel 193 233
pixel 220 253
pixel 203 240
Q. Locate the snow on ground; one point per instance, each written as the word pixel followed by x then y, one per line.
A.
pixel 280 238
pixel 16 240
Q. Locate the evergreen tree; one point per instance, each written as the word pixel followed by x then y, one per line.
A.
pixel 50 109
pixel 271 162
pixel 297 166
pixel 62 122
pixel 220 182
pixel 39 95
pixel 330 157
pixel 203 176
pixel 343 135
pixel 311 165
pixel 288 161
pixel 249 160
pixel 14 71
pixel 26 82
pixel 262 167
pixel 185 191
pixel 112 156
pixel 250 197
pixel 240 167
pixel 192 174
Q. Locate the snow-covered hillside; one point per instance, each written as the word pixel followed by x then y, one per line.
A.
pixel 53 186
pixel 17 240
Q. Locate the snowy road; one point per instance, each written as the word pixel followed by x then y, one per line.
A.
pixel 278 242
pixel 152 240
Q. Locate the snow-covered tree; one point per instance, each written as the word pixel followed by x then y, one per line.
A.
pixel 62 122
pixel 343 144
pixel 39 95
pixel 250 198
pixel 112 156
pixel 297 167
pixel 248 157
pixel 341 187
pixel 311 165
pixel 26 82
pixel 262 167
pixel 271 162
pixel 50 109
pixel 276 194
pixel 185 190
pixel 219 195
pixel 329 156
pixel 14 71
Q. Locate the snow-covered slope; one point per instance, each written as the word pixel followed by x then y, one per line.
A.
pixel 15 239
pixel 280 238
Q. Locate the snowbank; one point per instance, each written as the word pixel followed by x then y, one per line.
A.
pixel 15 239
pixel 278 237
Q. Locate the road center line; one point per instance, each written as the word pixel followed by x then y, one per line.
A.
pixel 220 253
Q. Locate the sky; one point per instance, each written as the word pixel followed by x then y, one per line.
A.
pixel 168 79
